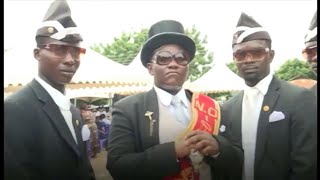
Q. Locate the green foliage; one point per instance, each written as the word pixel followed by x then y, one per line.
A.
pixel 203 59
pixel 294 68
pixel 126 47
pixel 232 66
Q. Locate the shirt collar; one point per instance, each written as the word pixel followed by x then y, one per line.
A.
pixel 60 99
pixel 165 97
pixel 263 84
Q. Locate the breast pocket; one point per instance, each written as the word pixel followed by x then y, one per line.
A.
pixel 278 141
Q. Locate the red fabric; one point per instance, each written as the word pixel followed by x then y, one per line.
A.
pixel 205 117
pixel 186 172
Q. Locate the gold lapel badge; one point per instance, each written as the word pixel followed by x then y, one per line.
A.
pixel 152 121
pixel 266 108
pixel 77 122
pixel 50 29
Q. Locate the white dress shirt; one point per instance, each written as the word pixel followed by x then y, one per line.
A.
pixel 63 103
pixel 165 98
pixel 249 128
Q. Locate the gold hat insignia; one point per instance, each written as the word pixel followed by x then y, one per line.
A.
pixel 50 29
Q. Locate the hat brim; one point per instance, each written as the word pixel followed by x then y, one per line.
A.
pixel 166 38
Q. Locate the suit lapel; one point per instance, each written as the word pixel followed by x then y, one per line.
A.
pixel 235 119
pixel 150 105
pixel 77 124
pixel 269 101
pixel 54 114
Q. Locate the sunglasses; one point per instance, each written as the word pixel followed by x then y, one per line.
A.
pixel 255 54
pixel 310 52
pixel 165 57
pixel 61 51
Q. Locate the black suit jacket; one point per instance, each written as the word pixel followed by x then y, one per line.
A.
pixel 37 141
pixel 285 149
pixel 134 154
pixel 314 89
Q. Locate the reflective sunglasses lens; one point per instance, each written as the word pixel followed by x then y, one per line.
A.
pixel 258 53
pixel 239 55
pixel 164 58
pixel 59 50
pixel 182 58
pixel 309 52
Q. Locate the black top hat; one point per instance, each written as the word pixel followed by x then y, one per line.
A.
pixel 166 32
pixel 312 33
pixel 57 24
pixel 248 29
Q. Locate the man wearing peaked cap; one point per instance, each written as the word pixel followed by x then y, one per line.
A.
pixel 158 134
pixel 42 132
pixel 58 25
pixel 310 51
pixel 276 122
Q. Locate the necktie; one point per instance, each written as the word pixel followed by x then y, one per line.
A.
pixel 180 111
pixel 250 119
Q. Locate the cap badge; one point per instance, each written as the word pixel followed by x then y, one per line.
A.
pixel 50 29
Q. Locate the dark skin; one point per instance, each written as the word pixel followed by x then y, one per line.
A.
pixel 56 71
pixel 252 70
pixel 171 78
pixel 312 60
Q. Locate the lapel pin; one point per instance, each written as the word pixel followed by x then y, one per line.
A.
pixel 77 122
pixel 266 108
pixel 152 121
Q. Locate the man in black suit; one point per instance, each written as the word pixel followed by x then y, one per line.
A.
pixel 42 129
pixel 274 121
pixel 310 51
pixel 149 139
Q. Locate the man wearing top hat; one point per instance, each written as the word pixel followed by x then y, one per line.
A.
pixel 42 129
pixel 310 51
pixel 275 122
pixel 158 134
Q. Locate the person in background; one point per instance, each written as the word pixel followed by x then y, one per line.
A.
pixel 274 121
pixel 42 129
pixel 104 118
pixel 311 48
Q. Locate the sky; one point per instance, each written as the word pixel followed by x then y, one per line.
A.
pixel 101 20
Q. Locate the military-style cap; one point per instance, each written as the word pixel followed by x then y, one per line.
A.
pixel 166 32
pixel 57 24
pixel 312 33
pixel 249 29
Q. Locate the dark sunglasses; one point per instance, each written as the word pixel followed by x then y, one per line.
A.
pixel 256 54
pixel 165 57
pixel 61 51
pixel 310 52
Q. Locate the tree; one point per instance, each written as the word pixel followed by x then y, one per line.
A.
pixel 294 68
pixel 232 67
pixel 124 49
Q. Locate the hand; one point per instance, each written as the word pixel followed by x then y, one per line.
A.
pixel 182 150
pixel 203 142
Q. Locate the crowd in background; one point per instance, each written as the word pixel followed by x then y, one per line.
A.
pixel 96 129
